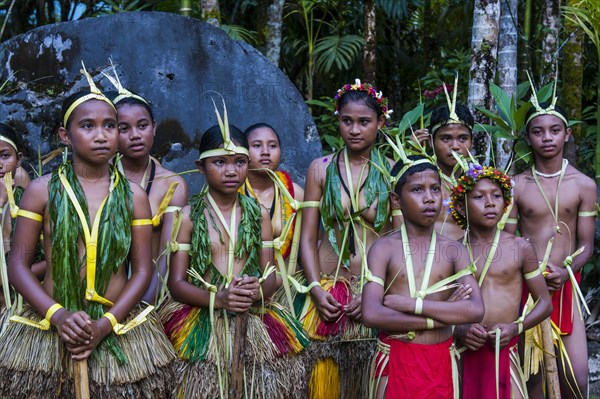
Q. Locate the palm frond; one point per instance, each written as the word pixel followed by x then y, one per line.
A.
pixel 237 32
pixel 340 51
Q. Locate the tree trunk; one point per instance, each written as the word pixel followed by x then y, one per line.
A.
pixel 210 10
pixel 507 68
pixel 572 80
pixel 525 53
pixel 369 65
pixel 550 19
pixel 484 50
pixel 274 29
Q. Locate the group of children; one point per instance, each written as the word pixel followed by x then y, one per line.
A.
pixel 359 285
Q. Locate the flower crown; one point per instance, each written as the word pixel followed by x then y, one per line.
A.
pixel 466 183
pixel 367 88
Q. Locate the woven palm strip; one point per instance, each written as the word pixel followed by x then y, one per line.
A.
pixel 36 364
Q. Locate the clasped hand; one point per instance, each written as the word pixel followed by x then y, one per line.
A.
pixel 239 296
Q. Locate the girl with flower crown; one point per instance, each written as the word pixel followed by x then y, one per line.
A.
pixel 89 216
pixel 354 210
pixel 220 276
pixel 491 365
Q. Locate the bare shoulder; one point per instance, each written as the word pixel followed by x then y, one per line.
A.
pixel 35 197
pixel 452 250
pixel 317 171
pixel 584 182
pixel 164 178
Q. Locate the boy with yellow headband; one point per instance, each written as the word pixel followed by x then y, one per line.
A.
pixel 556 207
pixel 421 285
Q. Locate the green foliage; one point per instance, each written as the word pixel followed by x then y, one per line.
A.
pixel 327 124
pixel 340 51
pixel 116 6
pixel 508 122
pixel 237 32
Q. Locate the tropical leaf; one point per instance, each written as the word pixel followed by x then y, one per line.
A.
pixel 340 51
pixel 398 9
pixel 410 118
pixel 237 32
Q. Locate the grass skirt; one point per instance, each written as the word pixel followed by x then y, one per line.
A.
pixel 350 344
pixel 36 364
pixel 274 358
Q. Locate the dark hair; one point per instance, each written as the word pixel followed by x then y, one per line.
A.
pixel 249 130
pixel 545 105
pixel 129 101
pixel 213 139
pixel 67 104
pixel 360 97
pixel 441 114
pixel 10 133
pixel 411 170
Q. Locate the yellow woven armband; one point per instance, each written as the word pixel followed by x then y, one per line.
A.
pixel 396 212
pixel 174 246
pixel 374 279
pixel 511 221
pixel 30 215
pixel 419 306
pixel 53 309
pixel 121 329
pixel 587 213
pixel 310 204
pixel 172 208
pixel 141 222
pixel 430 324
pixel 42 324
pixel 530 275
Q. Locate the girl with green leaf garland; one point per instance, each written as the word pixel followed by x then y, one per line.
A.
pixel 354 210
pixel 220 274
pixel 91 218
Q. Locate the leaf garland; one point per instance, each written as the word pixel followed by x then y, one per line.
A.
pixel 332 212
pixel 114 241
pixel 249 238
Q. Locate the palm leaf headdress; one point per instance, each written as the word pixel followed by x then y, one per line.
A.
pixel 95 94
pixel 122 91
pixel 549 110
pixel 229 147
pixel 451 101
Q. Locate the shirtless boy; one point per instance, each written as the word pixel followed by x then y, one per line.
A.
pixel 554 201
pixel 402 299
pixel 503 263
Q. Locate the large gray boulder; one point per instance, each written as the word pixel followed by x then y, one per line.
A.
pixel 173 61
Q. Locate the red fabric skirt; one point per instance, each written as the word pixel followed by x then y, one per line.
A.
pixel 416 370
pixel 562 307
pixel 479 372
